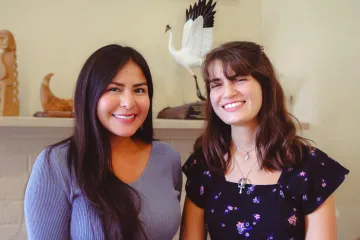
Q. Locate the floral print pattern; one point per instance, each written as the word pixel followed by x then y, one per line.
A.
pixel 268 212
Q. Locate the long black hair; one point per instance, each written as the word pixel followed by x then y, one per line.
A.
pixel 89 153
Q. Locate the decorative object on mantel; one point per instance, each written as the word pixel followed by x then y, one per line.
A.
pixel 9 101
pixel 52 105
pixel 193 111
pixel 196 43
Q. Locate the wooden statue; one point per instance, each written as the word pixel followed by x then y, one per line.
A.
pixel 9 101
pixel 51 103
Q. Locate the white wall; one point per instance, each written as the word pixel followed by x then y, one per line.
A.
pixel 316 44
pixel 58 36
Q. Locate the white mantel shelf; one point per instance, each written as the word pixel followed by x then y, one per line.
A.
pixel 42 122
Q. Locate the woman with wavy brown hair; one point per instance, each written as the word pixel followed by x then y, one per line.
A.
pixel 251 176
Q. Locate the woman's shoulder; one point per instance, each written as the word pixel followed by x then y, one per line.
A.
pixel 57 153
pixel 53 158
pixel 314 178
pixel 315 161
pixel 194 166
pixel 165 150
pixel 50 171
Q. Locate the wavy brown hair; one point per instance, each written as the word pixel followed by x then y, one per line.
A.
pixel 277 144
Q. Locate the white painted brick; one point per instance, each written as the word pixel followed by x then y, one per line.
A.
pixel 185 147
pixel 11 212
pixel 22 146
pixel 13 187
pixel 13 232
pixel 12 163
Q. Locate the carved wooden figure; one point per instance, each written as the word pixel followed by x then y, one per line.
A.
pixel 9 100
pixel 49 101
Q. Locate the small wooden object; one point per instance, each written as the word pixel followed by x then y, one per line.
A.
pixel 9 101
pixel 52 105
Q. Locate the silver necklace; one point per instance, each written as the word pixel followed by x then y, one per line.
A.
pixel 247 154
pixel 243 180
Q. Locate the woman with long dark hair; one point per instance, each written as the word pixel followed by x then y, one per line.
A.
pixel 110 179
pixel 251 176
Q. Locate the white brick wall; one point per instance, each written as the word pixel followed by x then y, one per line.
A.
pixel 19 148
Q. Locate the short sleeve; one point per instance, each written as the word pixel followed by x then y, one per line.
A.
pixel 198 181
pixel 317 179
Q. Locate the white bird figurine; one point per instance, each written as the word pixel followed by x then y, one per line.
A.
pixel 196 38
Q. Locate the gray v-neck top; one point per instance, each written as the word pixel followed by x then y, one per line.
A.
pixel 55 208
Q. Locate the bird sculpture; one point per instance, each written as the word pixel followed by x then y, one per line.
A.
pixel 196 38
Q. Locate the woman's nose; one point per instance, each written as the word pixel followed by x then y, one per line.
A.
pixel 127 101
pixel 229 90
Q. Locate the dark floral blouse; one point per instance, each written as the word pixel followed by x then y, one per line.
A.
pixel 266 212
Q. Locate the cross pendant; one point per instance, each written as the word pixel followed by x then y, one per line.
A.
pixel 241 184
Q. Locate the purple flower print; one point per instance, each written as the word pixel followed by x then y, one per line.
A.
pixel 323 183
pixel 207 173
pixel 304 197
pixel 282 193
pixel 312 152
pixel 292 220
pixel 217 196
pixel 201 190
pixel 230 208
pixel 250 189
pixel 244 228
pixel 270 237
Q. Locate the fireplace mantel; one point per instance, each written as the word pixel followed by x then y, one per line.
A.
pixel 41 122
pixel 69 123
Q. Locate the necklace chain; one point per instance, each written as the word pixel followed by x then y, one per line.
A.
pixel 242 175
pixel 247 155
pixel 244 179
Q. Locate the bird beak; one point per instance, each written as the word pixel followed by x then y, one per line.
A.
pixel 167 28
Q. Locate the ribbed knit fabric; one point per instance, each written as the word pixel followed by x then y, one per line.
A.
pixel 56 209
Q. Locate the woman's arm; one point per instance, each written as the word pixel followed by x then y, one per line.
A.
pixel 321 224
pixel 47 209
pixel 192 223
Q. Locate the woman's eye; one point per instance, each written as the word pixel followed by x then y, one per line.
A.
pixel 240 80
pixel 113 89
pixel 140 90
pixel 214 85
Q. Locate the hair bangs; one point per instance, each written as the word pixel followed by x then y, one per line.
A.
pixel 232 64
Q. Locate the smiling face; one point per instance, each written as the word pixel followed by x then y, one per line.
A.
pixel 236 101
pixel 125 103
